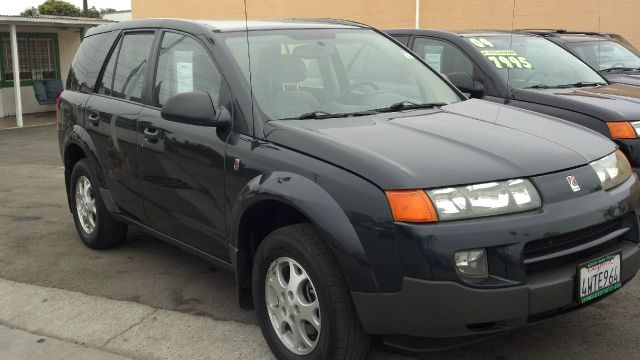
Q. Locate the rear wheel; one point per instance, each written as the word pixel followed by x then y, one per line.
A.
pixel 95 226
pixel 302 301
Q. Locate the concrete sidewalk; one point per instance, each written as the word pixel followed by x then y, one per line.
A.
pixel 21 345
pixel 117 327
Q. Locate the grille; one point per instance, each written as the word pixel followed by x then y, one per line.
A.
pixel 566 241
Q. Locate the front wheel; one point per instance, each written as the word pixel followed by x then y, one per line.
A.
pixel 302 301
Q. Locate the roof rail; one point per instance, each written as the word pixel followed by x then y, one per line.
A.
pixel 330 21
pixel 563 31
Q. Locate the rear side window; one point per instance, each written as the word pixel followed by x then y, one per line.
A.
pixel 125 72
pixel 184 65
pixel 88 61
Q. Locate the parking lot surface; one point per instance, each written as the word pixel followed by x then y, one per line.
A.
pixel 39 246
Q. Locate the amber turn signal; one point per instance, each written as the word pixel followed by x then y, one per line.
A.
pixel 621 130
pixel 411 206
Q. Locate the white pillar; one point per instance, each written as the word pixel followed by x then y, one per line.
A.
pixel 417 14
pixel 16 75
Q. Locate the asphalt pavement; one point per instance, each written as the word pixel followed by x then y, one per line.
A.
pixel 40 251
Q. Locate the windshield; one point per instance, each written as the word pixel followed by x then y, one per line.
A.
pixel 607 55
pixel 534 62
pixel 333 71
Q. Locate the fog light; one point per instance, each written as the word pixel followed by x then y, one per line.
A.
pixel 472 263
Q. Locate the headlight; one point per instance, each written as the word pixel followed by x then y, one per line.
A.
pixel 494 198
pixel 612 169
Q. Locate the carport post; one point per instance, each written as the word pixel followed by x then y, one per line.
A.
pixel 16 75
pixel 417 14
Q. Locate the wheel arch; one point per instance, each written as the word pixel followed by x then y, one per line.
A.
pixel 290 199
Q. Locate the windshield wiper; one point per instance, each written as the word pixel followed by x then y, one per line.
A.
pixel 408 105
pixel 538 86
pixel 318 115
pixel 619 68
pixel 566 86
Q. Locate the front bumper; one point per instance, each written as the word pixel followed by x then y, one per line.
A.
pixel 437 309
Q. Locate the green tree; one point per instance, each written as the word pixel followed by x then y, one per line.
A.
pixel 107 11
pixel 92 12
pixel 32 11
pixel 59 8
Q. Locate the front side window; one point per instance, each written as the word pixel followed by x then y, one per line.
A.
pixel 37 57
pixel 606 55
pixel 445 57
pixel 184 65
pixel 533 62
pixel 124 74
pixel 345 71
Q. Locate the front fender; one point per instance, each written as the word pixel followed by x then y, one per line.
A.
pixel 323 212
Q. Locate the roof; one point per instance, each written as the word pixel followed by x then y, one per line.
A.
pixel 464 33
pixel 199 26
pixel 50 20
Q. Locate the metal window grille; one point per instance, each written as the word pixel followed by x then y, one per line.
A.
pixel 37 58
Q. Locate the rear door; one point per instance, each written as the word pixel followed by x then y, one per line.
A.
pixel 182 165
pixel 111 119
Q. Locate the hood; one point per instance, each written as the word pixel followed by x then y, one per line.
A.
pixel 628 78
pixel 616 102
pixel 467 142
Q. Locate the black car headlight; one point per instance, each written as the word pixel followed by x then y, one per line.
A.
pixel 486 199
pixel 612 170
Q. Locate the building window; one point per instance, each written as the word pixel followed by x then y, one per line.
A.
pixel 37 54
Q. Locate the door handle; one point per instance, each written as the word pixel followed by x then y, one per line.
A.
pixel 94 118
pixel 151 134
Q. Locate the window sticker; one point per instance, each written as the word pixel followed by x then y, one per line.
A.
pixel 184 70
pixel 511 62
pixel 498 52
pixel 481 42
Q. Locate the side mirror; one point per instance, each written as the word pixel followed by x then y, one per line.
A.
pixel 466 84
pixel 195 108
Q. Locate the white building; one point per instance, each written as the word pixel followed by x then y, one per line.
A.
pixel 36 49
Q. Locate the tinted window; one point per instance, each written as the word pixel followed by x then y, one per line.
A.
pixel 604 55
pixel 184 65
pixel 125 73
pixel 532 62
pixel 444 57
pixel 332 71
pixel 88 60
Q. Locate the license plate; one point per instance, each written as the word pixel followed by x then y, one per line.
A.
pixel 598 277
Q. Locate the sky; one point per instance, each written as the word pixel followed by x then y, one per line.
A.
pixel 16 6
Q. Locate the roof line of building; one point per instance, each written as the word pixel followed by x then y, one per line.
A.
pixel 48 20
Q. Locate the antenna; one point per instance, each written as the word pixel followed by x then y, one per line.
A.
pixel 246 28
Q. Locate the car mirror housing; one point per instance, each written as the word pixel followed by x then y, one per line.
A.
pixel 465 83
pixel 195 108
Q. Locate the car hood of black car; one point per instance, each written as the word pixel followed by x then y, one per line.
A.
pixel 467 142
pixel 616 102
pixel 629 78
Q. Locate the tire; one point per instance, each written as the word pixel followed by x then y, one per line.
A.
pixel 97 229
pixel 339 334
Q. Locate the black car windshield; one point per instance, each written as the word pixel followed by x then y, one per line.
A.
pixel 533 62
pixel 323 73
pixel 607 55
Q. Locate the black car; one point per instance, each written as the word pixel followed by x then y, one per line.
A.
pixel 526 71
pixel 352 190
pixel 609 54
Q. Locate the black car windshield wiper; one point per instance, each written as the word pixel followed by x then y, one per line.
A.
pixel 580 84
pixel 408 105
pixel 318 115
pixel 564 86
pixel 619 68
